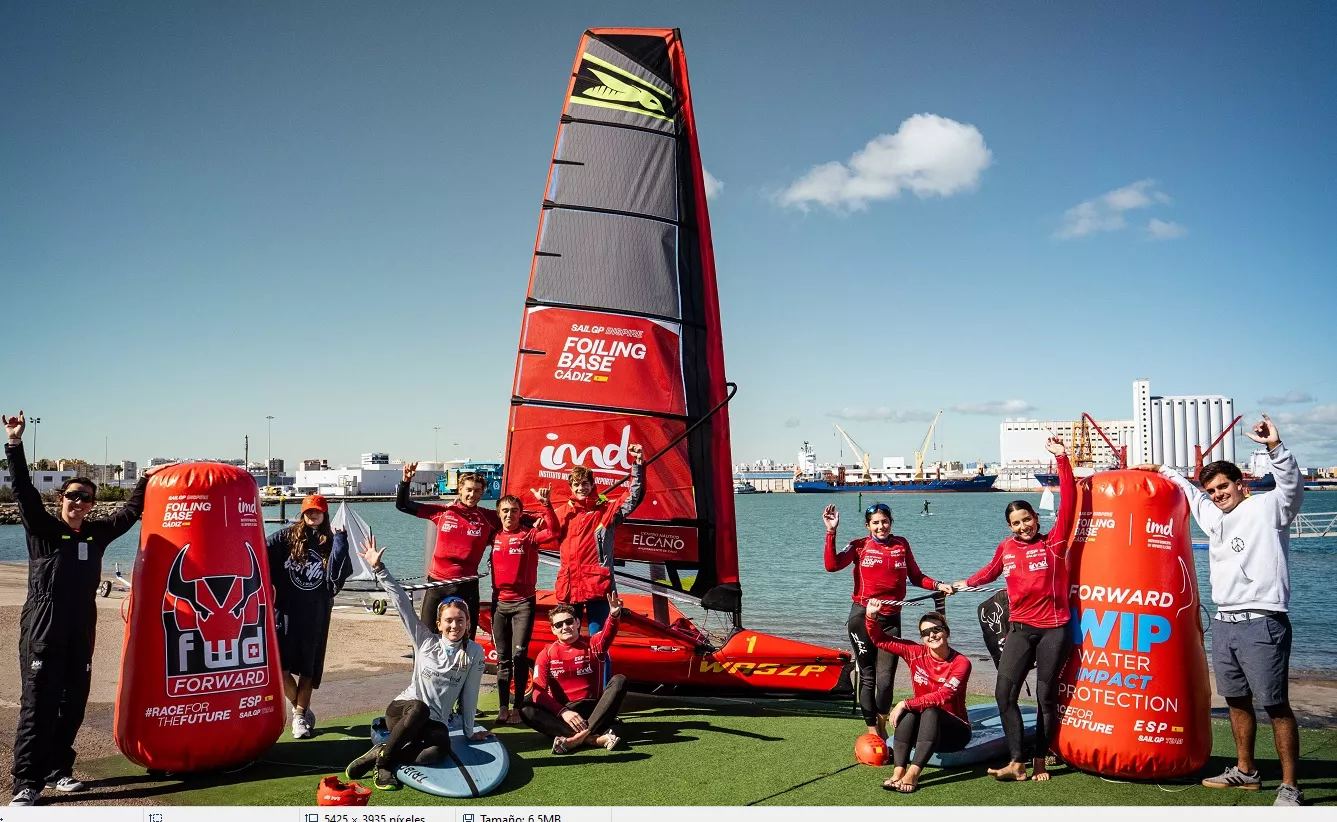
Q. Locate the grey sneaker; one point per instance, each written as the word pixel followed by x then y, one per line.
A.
pixel 1233 777
pixel 310 721
pixel 300 728
pixel 1289 795
pixel 24 798
pixel 66 784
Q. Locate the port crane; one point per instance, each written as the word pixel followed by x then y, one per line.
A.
pixel 858 452
pixel 923 449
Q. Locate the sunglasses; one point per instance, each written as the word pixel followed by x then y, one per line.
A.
pixel 78 496
pixel 562 623
pixel 928 632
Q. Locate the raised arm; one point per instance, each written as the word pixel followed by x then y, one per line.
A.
pixel 1058 541
pixel 602 641
pixel 1204 510
pixel 418 632
pixel 636 488
pixel 127 515
pixel 900 647
pixel 833 559
pixel 31 510
pixel 1290 493
pixel 402 500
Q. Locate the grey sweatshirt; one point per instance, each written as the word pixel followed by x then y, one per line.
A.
pixel 442 670
pixel 1249 546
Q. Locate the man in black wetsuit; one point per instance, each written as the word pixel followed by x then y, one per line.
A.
pixel 59 619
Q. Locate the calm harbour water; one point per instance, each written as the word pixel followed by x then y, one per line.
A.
pixel 787 591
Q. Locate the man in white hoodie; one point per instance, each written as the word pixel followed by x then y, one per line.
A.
pixel 1251 633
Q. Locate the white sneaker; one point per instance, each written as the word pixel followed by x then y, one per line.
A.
pixel 66 784
pixel 24 798
pixel 300 728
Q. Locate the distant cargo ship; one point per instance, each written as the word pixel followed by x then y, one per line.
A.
pixel 983 482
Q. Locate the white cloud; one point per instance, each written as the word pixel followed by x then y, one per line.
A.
pixel 928 155
pixel 714 188
pixel 1106 212
pixel 994 407
pixel 1311 435
pixel 880 414
pixel 793 422
pixel 1162 230
pixel 1291 398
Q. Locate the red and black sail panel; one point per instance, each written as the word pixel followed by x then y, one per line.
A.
pixel 621 342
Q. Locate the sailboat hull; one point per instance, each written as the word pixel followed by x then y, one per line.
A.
pixel 656 656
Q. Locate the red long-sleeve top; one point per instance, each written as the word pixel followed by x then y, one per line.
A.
pixel 937 682
pixel 881 571
pixel 1037 571
pixel 462 534
pixel 515 559
pixel 568 673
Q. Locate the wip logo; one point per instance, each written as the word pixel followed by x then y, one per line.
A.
pixel 600 83
pixel 214 620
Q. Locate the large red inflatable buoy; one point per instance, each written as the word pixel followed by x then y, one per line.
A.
pixel 1134 698
pixel 200 680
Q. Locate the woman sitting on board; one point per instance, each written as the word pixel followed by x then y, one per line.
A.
pixel 1036 568
pixel 570 703
pixel 515 563
pixel 934 720
pixel 308 564
pixel 882 564
pixel 446 668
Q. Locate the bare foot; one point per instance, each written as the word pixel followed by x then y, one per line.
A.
pixel 1039 774
pixel 503 716
pixel 1013 772
pixel 515 719
pixel 577 740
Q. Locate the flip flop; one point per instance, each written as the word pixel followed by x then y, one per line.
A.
pixel 903 788
pixel 891 785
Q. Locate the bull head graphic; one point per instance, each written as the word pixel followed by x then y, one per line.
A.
pixel 219 606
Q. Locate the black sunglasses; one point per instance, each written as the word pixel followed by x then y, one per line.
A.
pixel 562 623
pixel 928 632
pixel 78 496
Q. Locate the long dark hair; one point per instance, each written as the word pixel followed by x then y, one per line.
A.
pixel 300 532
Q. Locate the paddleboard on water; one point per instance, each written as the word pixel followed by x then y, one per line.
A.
pixel 472 769
pixel 987 743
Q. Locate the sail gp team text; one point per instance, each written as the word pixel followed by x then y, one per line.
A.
pixel 583 359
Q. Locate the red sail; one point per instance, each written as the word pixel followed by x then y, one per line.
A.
pixel 620 341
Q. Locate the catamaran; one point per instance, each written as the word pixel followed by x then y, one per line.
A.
pixel 620 343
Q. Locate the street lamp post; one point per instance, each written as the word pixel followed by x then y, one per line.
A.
pixel 35 421
pixel 269 460
pixel 436 448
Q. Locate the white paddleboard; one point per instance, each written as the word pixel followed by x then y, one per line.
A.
pixel 987 742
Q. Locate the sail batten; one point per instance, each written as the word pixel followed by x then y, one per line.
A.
pixel 620 341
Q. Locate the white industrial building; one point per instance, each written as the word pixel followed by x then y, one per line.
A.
pixel 43 481
pixel 376 476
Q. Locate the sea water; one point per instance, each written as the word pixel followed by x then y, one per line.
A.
pixel 787 590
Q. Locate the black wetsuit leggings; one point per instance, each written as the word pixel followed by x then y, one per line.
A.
pixel 431 600
pixel 415 738
pixel 599 716
pixel 1047 649
pixel 927 732
pixel 512 624
pixel 877 668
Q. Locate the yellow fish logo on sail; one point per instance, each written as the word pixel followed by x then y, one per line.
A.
pixel 615 90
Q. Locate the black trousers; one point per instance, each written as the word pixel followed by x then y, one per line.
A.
pixel 599 716
pixel 415 738
pixel 56 677
pixel 877 668
pixel 1047 649
pixel 512 625
pixel 927 732
pixel 431 600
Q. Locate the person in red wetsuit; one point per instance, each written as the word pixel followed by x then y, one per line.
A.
pixel 1035 566
pixel 935 718
pixel 584 531
pixel 570 701
pixel 882 565
pixel 515 567
pixel 463 533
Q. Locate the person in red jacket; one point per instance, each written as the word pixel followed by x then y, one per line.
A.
pixel 515 567
pixel 935 718
pixel 584 531
pixel 1035 566
pixel 884 564
pixel 570 701
pixel 463 533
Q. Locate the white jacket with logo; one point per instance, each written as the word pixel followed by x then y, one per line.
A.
pixel 1249 546
pixel 443 671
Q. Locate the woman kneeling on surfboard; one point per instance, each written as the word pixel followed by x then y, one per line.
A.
pixel 570 703
pixel 882 564
pixel 1036 568
pixel 933 720
pixel 446 668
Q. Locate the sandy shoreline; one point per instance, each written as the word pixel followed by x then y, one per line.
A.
pixel 367 664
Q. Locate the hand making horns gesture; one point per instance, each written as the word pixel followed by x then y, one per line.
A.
pixel 14 425
pixel 410 471
pixel 637 454
pixel 541 494
pixel 1265 433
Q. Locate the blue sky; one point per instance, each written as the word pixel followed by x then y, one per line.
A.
pixel 325 212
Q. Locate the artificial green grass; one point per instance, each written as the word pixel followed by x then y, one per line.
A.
pixel 710 752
